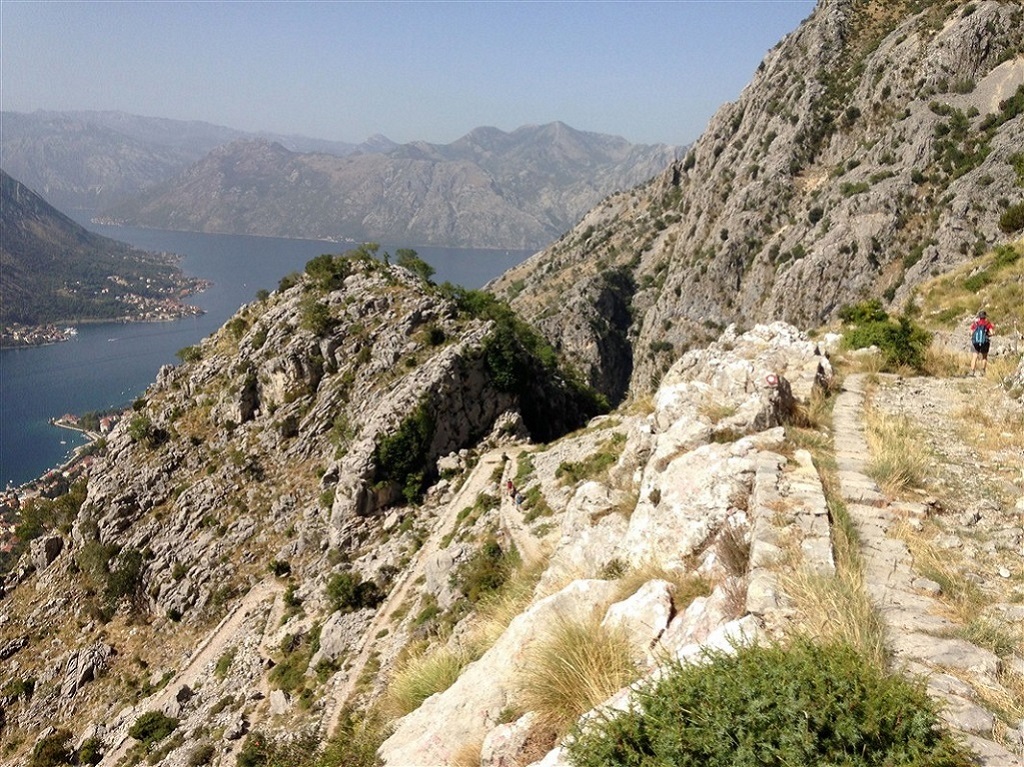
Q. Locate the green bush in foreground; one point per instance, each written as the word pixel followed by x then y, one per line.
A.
pixel 799 705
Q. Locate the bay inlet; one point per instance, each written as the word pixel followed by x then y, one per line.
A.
pixel 108 365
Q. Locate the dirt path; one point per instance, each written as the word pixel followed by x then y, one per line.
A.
pixel 513 521
pixel 480 479
pixel 208 652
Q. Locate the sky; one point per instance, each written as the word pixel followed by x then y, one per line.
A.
pixel 651 72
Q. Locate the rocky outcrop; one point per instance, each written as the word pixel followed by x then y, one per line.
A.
pixel 869 152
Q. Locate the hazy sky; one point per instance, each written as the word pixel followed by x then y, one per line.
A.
pixel 648 71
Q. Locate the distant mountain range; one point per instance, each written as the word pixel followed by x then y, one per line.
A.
pixel 491 188
pixel 85 160
pixel 53 270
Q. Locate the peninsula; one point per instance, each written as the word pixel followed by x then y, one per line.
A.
pixel 57 274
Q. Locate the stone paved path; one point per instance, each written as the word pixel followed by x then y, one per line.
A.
pixel 917 632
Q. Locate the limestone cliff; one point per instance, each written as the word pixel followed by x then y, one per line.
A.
pixel 877 145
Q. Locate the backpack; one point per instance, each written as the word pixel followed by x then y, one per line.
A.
pixel 980 335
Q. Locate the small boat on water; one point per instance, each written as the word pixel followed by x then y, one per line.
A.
pixel 71 331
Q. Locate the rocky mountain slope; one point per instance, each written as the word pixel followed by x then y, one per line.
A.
pixel 240 582
pixel 359 523
pixel 91 160
pixel 489 189
pixel 53 270
pixel 877 145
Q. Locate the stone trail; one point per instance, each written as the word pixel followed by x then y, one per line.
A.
pixel 917 633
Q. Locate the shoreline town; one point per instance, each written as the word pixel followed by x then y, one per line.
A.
pixel 55 481
pixel 19 336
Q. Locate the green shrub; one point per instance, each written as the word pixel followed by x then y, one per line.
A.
pixel 348 592
pixel 354 744
pixel 201 754
pixel 902 343
pixel 224 662
pixel 125 581
pixel 1006 255
pixel 53 750
pixel 1012 219
pixel 142 430
pixel 328 272
pixel 356 740
pixel 805 705
pixel 91 751
pixel 315 315
pixel 486 571
pixel 151 727
pixel 865 311
pixel 408 259
pixel 236 326
pixel 189 354
pixel 259 750
pixel 402 458
pixel 977 281
pixel 288 281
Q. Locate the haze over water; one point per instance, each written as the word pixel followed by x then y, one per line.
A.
pixel 108 365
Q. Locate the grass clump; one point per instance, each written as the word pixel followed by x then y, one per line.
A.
pixel 899 459
pixel 572 669
pixel 421 676
pixel 571 472
pixel 805 704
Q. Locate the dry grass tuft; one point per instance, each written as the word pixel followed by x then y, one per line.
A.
pixel 573 668
pixel 945 363
pixel 899 458
pixel 962 599
pixel 837 609
pixel 420 676
pixel 686 585
pixel 982 429
pixel 733 549
pixel 468 754
pixel 716 411
pixel 816 413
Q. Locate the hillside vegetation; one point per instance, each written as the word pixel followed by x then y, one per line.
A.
pixel 53 270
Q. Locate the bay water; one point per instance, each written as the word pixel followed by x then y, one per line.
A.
pixel 108 365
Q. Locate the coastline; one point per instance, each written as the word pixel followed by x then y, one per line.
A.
pixel 73 465
pixel 49 335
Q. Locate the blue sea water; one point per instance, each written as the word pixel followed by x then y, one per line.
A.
pixel 108 365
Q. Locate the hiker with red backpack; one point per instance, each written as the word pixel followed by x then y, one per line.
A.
pixel 981 331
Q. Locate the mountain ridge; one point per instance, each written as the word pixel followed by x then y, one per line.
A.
pixel 806 193
pixel 487 189
pixel 88 160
